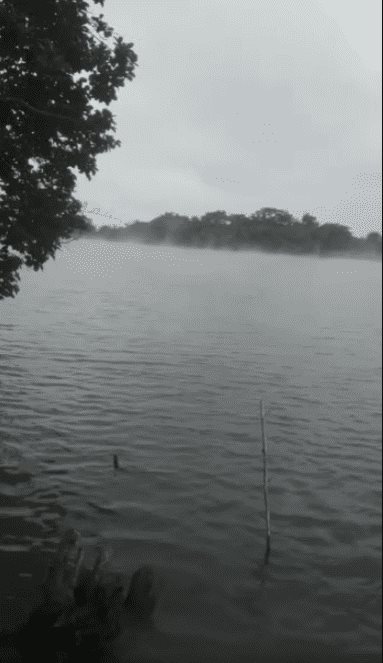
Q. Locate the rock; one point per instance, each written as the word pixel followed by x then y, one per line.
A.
pixel 140 601
pixel 82 611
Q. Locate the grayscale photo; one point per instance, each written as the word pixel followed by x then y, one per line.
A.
pixel 190 331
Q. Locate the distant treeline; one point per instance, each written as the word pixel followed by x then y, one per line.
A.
pixel 268 229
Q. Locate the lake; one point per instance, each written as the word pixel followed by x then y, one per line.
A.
pixel 161 355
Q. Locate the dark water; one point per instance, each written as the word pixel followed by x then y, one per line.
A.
pixel 161 355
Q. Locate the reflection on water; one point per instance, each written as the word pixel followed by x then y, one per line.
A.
pixel 162 358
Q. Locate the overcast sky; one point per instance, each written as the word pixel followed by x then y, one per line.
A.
pixel 243 104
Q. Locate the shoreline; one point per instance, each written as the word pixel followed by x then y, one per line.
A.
pixel 233 249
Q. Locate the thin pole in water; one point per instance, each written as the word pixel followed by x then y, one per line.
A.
pixel 116 464
pixel 265 484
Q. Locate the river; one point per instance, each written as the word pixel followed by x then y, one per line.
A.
pixel 161 355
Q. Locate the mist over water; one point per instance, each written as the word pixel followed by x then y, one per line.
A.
pixel 161 355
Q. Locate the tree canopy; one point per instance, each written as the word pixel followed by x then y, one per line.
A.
pixel 268 229
pixel 60 67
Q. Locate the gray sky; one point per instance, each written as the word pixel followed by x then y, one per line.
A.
pixel 241 104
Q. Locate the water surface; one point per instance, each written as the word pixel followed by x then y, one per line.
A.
pixel 161 355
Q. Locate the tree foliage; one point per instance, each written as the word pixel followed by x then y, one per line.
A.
pixel 268 229
pixel 60 67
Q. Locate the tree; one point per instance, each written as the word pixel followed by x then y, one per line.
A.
pixel 271 216
pixel 56 61
pixel 214 218
pixel 166 227
pixel 309 221
pixel 334 237
pixel 373 243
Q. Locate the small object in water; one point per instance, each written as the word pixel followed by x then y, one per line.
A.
pixel 115 462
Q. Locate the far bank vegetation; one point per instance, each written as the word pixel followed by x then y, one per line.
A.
pixel 268 229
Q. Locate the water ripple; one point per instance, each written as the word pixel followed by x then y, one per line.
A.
pixel 169 378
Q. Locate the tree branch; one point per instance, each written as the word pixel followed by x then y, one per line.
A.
pixel 40 111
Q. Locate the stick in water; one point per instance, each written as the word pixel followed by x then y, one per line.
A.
pixel 265 484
